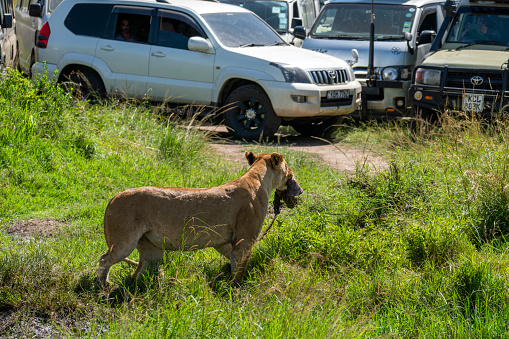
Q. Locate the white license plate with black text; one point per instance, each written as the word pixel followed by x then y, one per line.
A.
pixel 473 102
pixel 339 94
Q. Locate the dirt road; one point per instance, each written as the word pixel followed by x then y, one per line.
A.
pixel 338 156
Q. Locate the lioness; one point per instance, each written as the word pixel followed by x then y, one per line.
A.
pixel 228 217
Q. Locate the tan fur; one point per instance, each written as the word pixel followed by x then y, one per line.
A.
pixel 228 217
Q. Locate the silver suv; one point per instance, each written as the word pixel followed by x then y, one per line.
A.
pixel 197 52
pixel 403 32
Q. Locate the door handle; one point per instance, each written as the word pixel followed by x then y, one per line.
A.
pixel 158 54
pixel 107 48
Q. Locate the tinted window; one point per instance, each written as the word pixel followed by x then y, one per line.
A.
pixel 88 19
pixel 175 29
pixel 130 23
pixel 132 27
pixel 429 23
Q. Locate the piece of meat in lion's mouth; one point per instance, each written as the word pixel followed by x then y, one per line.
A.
pixel 293 188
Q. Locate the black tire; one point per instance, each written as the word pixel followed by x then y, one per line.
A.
pixel 248 114
pixel 16 60
pixel 317 127
pixel 423 119
pixel 85 85
pixel 422 113
pixel 32 62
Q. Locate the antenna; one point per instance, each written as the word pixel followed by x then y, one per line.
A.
pixel 371 75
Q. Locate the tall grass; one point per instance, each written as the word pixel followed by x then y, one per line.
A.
pixel 415 249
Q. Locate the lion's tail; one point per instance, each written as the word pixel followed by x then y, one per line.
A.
pixel 132 262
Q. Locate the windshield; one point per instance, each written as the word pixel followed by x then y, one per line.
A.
pixel 352 21
pixel 275 13
pixel 241 30
pixel 480 25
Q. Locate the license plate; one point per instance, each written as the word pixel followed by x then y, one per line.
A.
pixel 339 94
pixel 473 102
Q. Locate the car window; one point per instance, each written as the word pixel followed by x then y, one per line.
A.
pixel 275 13
pixel 132 27
pixel 129 23
pixel 53 4
pixel 7 6
pixel 78 20
pixel 429 22
pixel 352 21
pixel 241 30
pixel 175 29
pixel 481 25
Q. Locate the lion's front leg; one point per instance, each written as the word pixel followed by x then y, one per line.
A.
pixel 239 257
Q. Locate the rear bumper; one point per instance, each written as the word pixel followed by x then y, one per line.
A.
pixel 46 70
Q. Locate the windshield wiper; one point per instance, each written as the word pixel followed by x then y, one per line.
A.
pixel 389 37
pixel 482 42
pixel 252 45
pixel 278 43
pixel 337 37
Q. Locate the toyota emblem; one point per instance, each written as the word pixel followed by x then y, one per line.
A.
pixel 332 74
pixel 396 50
pixel 476 80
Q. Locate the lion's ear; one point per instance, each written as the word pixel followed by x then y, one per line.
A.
pixel 276 159
pixel 250 157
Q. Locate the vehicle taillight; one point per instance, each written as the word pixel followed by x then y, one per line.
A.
pixel 42 39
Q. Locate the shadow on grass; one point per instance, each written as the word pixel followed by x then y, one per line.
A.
pixel 115 295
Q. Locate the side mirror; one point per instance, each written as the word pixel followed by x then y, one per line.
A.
pixel 35 10
pixel 7 21
pixel 355 55
pixel 300 32
pixel 408 37
pixel 199 44
pixel 296 22
pixel 426 37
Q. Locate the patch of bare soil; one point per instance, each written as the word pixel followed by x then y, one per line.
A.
pixel 29 229
pixel 340 157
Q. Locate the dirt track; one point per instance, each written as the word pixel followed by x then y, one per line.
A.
pixel 337 156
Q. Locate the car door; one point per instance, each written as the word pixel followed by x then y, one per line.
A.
pixel 127 58
pixel 177 74
pixel 427 22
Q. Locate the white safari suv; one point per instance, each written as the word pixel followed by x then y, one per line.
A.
pixel 197 52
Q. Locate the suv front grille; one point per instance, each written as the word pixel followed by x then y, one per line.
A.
pixel 330 77
pixel 465 79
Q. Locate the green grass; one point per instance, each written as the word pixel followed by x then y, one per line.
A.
pixel 416 249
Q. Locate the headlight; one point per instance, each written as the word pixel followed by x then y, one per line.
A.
pixel 292 74
pixel 392 73
pixel 425 76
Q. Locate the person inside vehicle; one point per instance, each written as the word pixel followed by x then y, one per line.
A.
pixel 124 31
pixel 482 30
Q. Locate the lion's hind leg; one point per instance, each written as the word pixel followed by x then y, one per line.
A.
pixel 117 252
pixel 150 254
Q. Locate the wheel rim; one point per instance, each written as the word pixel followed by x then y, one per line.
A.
pixel 250 114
